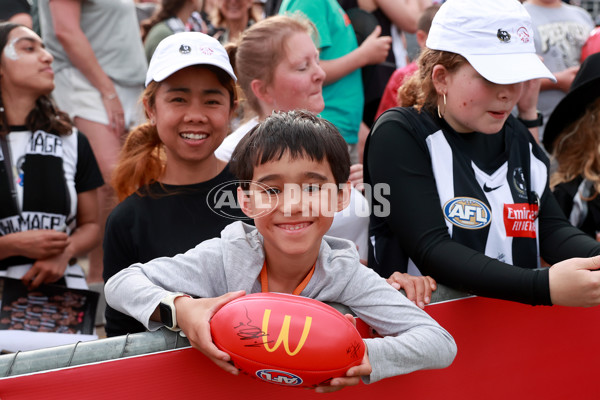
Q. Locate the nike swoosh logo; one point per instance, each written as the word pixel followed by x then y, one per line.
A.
pixel 486 188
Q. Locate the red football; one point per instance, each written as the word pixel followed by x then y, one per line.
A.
pixel 286 339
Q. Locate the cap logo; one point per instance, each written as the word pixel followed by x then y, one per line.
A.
pixel 207 51
pixel 523 34
pixel 504 36
pixel 185 49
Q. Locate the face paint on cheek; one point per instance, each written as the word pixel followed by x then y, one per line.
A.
pixel 10 51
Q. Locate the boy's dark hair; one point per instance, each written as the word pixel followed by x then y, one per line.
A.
pixel 301 134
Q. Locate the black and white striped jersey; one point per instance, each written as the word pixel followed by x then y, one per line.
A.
pixel 472 210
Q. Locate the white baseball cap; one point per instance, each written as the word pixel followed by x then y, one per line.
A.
pixel 183 49
pixel 495 36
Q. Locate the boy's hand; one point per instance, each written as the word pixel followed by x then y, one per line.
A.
pixel 193 317
pixel 352 377
pixel 418 289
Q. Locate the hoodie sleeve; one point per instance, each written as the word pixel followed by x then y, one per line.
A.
pixel 138 289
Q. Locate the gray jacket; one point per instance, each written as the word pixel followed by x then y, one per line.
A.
pixel 411 339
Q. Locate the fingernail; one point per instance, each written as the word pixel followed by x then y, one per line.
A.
pixel 421 304
pixel 396 285
pixel 427 300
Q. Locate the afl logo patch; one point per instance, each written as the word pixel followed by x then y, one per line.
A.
pixel 467 213
pixel 279 377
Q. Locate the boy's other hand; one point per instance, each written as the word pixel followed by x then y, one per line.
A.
pixel 193 317
pixel 352 377
pixel 418 289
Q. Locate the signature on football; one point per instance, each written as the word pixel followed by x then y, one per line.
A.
pixel 353 350
pixel 248 331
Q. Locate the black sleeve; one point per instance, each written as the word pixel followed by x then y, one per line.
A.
pixel 399 157
pixel 564 195
pixel 88 175
pixel 559 240
pixel 119 253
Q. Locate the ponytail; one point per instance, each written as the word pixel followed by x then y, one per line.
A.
pixel 141 161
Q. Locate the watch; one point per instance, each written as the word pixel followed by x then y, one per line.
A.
pixel 168 315
pixel 533 123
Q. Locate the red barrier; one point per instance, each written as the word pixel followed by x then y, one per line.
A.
pixel 505 351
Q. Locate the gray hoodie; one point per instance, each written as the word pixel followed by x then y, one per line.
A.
pixel 411 340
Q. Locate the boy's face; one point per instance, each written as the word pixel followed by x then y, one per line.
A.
pixel 293 203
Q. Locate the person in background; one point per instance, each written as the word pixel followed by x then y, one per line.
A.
pixel 387 14
pixel 231 17
pixel 278 68
pixel 560 30
pixel 342 60
pixel 469 202
pixel 286 252
pixel 170 17
pixel 144 9
pixel 573 138
pixel 390 95
pixel 99 64
pixel 174 192
pixel 48 174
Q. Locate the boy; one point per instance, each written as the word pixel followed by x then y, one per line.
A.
pixel 287 166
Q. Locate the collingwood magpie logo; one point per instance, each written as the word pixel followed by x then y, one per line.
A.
pixel 467 213
pixel 518 178
pixel 503 35
pixel 185 49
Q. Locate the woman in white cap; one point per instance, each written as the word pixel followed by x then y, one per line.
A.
pixel 469 201
pixel 167 167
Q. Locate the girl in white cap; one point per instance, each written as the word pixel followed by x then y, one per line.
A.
pixel 167 167
pixel 469 202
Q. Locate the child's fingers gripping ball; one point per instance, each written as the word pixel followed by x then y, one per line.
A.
pixel 286 339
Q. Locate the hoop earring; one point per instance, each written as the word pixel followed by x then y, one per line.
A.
pixel 441 114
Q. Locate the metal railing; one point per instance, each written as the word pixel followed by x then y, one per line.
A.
pixel 81 353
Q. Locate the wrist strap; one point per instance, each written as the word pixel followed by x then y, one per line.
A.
pixel 533 123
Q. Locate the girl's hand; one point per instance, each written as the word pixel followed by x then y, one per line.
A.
pixel 527 105
pixel 418 289
pixel 116 115
pixel 46 270
pixel 193 317
pixel 576 282
pixel 38 243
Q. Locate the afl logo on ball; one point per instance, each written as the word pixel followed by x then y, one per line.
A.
pixel 280 377
pixel 467 213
